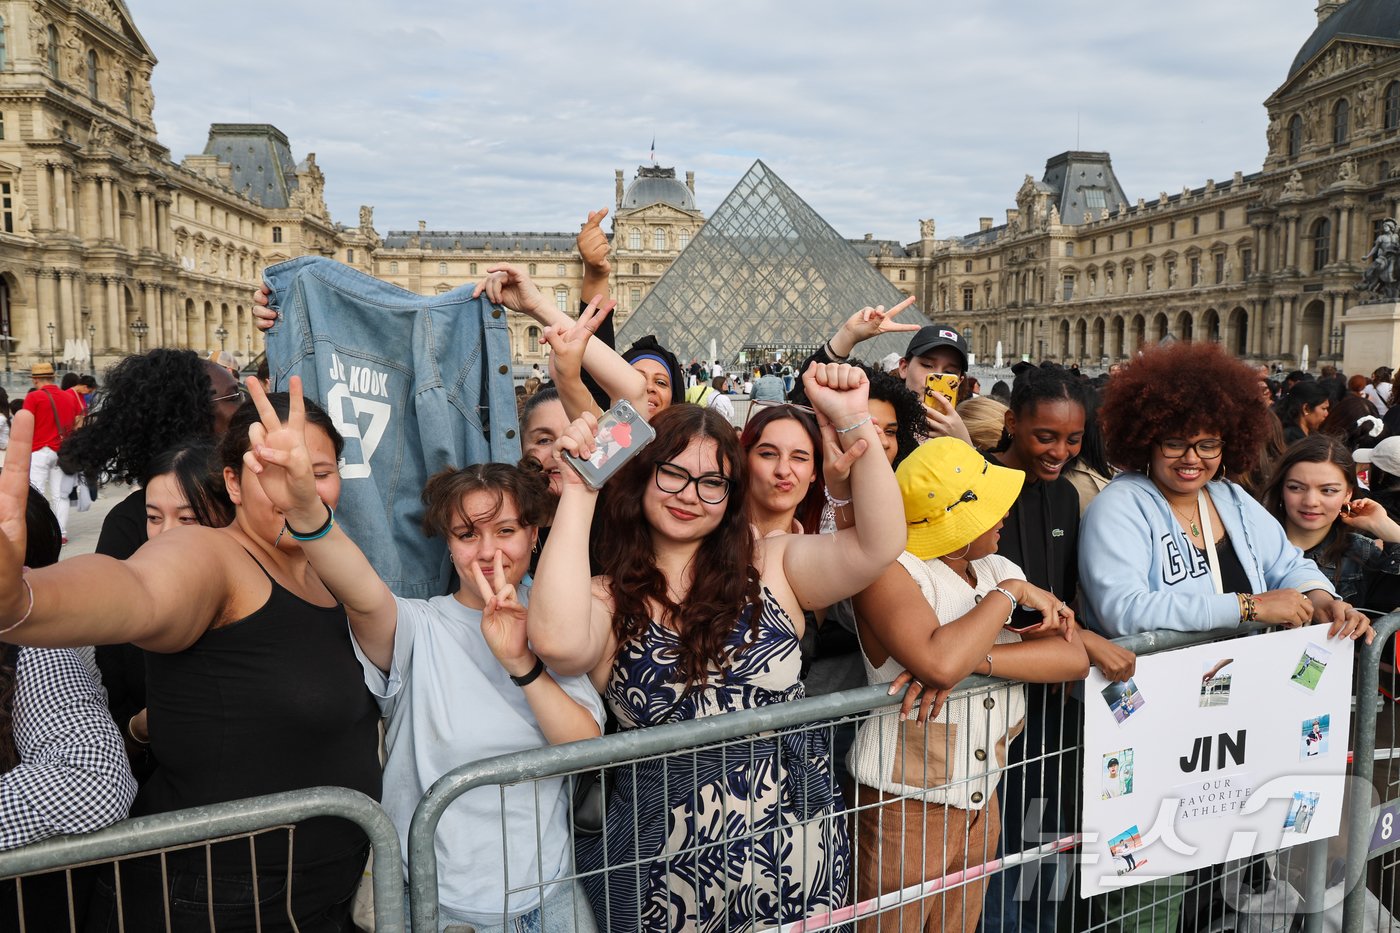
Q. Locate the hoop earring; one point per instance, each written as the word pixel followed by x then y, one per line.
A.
pixel 959 556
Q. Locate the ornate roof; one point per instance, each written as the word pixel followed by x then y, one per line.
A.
pixel 263 167
pixel 1357 19
pixel 656 185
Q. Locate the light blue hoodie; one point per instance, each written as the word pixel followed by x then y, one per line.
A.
pixel 1138 571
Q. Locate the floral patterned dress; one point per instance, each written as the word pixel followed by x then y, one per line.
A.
pixel 721 838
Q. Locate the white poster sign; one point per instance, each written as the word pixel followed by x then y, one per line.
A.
pixel 1214 752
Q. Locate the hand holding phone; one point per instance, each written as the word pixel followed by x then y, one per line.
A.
pixel 621 433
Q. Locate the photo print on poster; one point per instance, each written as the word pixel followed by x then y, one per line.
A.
pixel 1316 732
pixel 1300 811
pixel 1307 673
pixel 1123 848
pixel 1215 682
pixel 1117 774
pixel 1123 699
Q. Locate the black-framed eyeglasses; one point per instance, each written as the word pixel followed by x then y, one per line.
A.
pixel 761 404
pixel 712 488
pixel 241 394
pixel 1207 448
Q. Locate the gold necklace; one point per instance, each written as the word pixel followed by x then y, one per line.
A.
pixel 1195 529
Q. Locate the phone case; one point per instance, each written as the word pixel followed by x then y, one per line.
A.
pixel 621 433
pixel 944 384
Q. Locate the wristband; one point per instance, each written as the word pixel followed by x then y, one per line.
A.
pixel 834 502
pixel 1007 593
pixel 531 677
pixel 832 353
pixel 989 664
pixel 321 532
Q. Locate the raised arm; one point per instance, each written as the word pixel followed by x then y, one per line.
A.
pixel 866 323
pixel 162 599
pixel 508 285
pixel 569 621
pixel 278 455
pixel 567 347
pixel 593 249
pixel 820 569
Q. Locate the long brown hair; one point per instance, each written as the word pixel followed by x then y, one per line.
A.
pixel 809 510
pixel 724 584
pixel 1315 448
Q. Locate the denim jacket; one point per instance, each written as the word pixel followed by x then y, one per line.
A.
pixel 415 384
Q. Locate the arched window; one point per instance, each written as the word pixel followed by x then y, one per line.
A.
pixel 658 238
pixel 51 34
pixel 2 42
pixel 1392 106
pixel 276 231
pixel 634 239
pixel 1322 243
pixel 472 269
pixel 442 268
pixel 903 275
pixel 636 268
pixel 533 269
pixel 349 255
pixel 1341 122
pixel 92 74
pixel 126 93
pixel 1295 136
pixel 683 239
pixel 393 268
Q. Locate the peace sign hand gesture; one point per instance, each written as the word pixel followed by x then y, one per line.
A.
pixel 567 344
pixel 277 455
pixel 14 500
pixel 870 322
pixel 503 620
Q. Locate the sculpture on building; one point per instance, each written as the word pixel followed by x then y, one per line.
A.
pixel 366 217
pixel 1293 188
pixel 1380 279
pixel 926 229
pixel 100 135
pixel 1347 172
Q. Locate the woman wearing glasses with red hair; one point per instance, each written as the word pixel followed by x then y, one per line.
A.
pixel 691 617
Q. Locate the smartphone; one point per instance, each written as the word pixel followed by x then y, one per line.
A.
pixel 621 433
pixel 1023 619
pixel 944 384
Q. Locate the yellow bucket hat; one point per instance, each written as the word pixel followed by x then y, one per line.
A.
pixel 952 496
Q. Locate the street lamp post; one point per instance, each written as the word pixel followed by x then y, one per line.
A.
pixel 53 354
pixel 1336 342
pixel 7 347
pixel 92 350
pixel 222 333
pixel 138 330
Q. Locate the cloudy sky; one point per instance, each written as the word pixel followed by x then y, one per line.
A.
pixel 514 115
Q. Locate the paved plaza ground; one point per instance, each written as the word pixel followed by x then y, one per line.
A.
pixel 84 527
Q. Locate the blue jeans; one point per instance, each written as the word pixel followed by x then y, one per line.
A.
pixel 415 384
pixel 564 910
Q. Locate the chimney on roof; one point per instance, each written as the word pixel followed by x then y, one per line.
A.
pixel 870 236
pixel 1326 8
pixel 690 182
pixel 984 224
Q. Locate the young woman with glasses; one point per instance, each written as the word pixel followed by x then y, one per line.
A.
pixel 691 617
pixel 1171 543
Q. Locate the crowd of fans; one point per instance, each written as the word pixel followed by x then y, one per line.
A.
pixel 854 528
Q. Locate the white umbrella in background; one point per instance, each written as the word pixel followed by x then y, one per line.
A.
pixel 714 351
pixel 1305 358
pixel 999 359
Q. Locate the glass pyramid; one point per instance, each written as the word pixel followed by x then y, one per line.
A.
pixel 766 278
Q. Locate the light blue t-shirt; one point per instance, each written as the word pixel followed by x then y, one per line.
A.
pixel 448 701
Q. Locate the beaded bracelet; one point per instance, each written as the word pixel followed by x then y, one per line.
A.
pixel 862 422
pixel 836 503
pixel 1249 607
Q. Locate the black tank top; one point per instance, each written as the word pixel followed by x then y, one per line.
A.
pixel 273 702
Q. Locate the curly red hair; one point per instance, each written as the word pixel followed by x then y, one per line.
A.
pixel 1179 390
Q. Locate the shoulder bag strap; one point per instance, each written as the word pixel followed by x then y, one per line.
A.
pixel 1203 505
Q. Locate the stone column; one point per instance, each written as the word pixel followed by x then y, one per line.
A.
pixel 60 201
pixel 163 227
pixel 108 220
pixel 116 333
pixel 113 203
pixel 157 336
pixel 29 334
pixel 48 307
pixel 41 179
pixel 67 301
pixel 91 227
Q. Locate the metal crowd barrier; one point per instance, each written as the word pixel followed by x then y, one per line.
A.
pixel 163 834
pixel 1372 873
pixel 912 860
